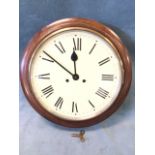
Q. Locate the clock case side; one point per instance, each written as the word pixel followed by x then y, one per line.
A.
pixel 81 23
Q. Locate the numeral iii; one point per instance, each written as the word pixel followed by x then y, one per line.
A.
pixel 107 77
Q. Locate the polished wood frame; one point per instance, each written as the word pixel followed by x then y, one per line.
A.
pixel 71 23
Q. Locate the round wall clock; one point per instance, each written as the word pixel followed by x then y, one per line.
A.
pixel 76 72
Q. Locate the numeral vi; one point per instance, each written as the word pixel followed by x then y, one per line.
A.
pixel 74 107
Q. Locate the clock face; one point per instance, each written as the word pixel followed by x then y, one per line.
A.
pixel 76 74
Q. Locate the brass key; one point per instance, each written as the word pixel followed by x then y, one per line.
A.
pixel 79 135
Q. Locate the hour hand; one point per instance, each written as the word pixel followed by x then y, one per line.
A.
pixel 74 58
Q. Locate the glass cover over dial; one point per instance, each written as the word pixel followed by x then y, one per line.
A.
pixel 76 74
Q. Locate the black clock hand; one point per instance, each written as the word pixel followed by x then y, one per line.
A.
pixel 74 58
pixel 59 64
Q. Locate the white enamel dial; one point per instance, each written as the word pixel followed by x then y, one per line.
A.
pixel 76 74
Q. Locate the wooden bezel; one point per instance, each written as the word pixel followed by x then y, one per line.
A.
pixel 70 23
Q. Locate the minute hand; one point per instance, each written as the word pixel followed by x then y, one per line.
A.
pixel 59 63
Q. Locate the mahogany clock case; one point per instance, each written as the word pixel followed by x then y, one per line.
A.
pixel 80 23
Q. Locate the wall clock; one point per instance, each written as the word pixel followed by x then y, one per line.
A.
pixel 76 72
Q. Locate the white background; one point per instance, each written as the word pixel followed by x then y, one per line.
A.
pixel 9 77
pixel 145 76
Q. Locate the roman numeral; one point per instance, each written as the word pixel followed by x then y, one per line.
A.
pixel 92 48
pixel 50 60
pixel 48 91
pixel 107 77
pixel 74 107
pixel 104 61
pixel 59 102
pixel 102 93
pixel 77 44
pixel 60 47
pixel 45 76
pixel 91 103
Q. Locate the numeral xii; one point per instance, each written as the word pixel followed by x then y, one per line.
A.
pixel 77 44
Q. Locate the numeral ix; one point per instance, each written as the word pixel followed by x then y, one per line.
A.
pixel 45 76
